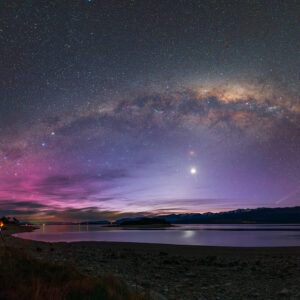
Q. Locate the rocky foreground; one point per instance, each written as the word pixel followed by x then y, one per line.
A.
pixel 182 272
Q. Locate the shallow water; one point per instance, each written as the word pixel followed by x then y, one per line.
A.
pixel 195 234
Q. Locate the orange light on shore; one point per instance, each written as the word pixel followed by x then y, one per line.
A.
pixel 1 224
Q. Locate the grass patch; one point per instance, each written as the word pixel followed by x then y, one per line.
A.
pixel 25 277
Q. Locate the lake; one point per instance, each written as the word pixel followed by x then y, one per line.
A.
pixel 196 234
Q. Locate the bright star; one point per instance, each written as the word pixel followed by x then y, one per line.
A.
pixel 193 171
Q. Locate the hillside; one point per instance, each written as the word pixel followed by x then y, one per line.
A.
pixel 280 215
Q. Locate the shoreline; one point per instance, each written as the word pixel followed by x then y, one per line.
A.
pixel 46 237
pixel 182 271
pixel 178 248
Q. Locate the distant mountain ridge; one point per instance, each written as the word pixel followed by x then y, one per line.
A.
pixel 263 215
pixel 95 223
pixel 146 222
pixel 280 215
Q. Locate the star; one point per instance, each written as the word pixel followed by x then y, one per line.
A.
pixel 193 170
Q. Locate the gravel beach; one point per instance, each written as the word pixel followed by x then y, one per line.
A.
pixel 181 272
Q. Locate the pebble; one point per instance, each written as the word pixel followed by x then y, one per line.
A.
pixel 283 292
pixel 191 275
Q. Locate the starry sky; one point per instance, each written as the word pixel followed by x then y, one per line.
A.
pixel 133 107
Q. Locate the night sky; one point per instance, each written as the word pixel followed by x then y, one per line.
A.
pixel 125 108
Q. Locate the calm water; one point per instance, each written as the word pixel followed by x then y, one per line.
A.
pixel 209 235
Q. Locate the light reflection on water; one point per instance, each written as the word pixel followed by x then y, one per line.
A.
pixel 195 234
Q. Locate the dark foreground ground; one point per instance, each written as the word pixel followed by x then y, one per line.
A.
pixel 181 272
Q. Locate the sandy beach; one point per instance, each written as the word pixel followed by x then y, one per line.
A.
pixel 180 272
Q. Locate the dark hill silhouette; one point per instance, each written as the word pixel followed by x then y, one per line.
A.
pixel 280 215
pixel 146 221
